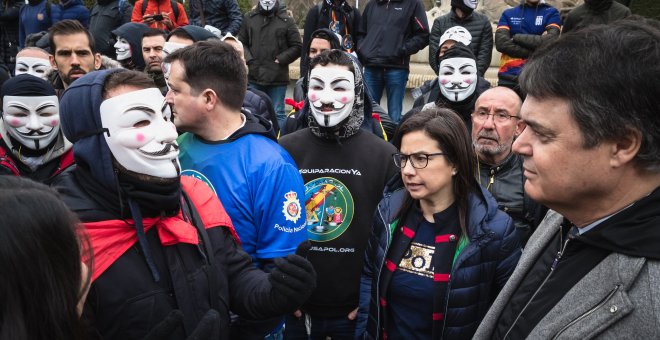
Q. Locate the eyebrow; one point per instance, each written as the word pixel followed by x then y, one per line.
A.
pixel 141 108
pixel 537 127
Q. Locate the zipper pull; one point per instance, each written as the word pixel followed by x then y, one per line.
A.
pixel 556 261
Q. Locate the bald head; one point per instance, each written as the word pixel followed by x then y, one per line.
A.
pixel 495 123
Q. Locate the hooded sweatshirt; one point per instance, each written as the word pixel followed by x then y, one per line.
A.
pixel 345 170
pixel 132 32
pixel 34 18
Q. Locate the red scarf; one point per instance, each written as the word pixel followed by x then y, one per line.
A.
pixel 111 239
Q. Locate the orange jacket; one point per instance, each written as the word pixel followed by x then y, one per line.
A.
pixel 160 6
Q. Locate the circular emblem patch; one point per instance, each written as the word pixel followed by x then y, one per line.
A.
pixel 329 207
pixel 200 176
pixel 291 209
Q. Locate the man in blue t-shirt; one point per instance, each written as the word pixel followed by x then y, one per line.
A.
pixel 520 31
pixel 232 151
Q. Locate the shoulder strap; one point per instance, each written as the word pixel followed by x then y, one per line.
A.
pixel 49 12
pixel 122 7
pixel 175 9
pixel 189 208
pixel 144 6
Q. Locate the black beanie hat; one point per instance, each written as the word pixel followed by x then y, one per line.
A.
pixel 26 85
pixel 459 50
pixel 197 33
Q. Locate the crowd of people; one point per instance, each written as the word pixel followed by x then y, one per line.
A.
pixel 155 187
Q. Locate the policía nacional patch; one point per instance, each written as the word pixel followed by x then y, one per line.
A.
pixel 291 208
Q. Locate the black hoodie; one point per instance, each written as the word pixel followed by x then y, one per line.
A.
pixel 132 32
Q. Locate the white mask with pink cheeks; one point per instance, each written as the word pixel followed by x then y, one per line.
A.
pixel 32 121
pixel 458 78
pixel 331 94
pixel 139 137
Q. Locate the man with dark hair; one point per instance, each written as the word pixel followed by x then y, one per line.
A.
pixel 520 31
pixel 476 25
pixel 153 41
pixel 234 151
pixel 74 53
pixel 31 143
pixel 167 263
pixel 272 42
pixel 345 170
pixel 391 33
pixel 591 154
pixel 495 124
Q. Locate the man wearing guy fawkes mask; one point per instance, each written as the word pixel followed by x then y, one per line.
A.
pixel 129 45
pixel 32 143
pixel 459 82
pixel 345 170
pixel 166 256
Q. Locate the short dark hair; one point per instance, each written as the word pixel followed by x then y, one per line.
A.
pixel 609 75
pixel 152 32
pixel 335 57
pixel 215 65
pixel 449 131
pixel 69 27
pixel 179 32
pixel 41 234
pixel 123 77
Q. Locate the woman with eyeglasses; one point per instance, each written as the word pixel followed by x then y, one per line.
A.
pixel 439 251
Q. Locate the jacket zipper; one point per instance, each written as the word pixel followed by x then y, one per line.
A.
pixel 589 312
pixel 552 269
pixel 380 269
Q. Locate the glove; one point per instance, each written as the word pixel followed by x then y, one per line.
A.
pixel 293 279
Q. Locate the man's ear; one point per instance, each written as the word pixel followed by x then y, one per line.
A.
pixel 210 99
pixel 53 64
pixel 97 61
pixel 624 150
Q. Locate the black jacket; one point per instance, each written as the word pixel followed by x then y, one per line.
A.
pixel 392 31
pixel 266 38
pixel 125 302
pixel 482 37
pixel 224 15
pixel 478 274
pixel 9 32
pixel 505 182
pixel 586 14
pixel 259 104
pixel 103 19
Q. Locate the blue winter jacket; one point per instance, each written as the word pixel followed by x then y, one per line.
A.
pixel 74 10
pixel 479 272
pixel 34 18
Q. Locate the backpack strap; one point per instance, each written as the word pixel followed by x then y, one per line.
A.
pixel 175 9
pixel 144 6
pixel 207 246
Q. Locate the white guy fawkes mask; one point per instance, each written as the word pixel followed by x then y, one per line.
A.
pixel 170 47
pixel 123 49
pixel 470 3
pixel 267 4
pixel 331 94
pixel 32 121
pixel 139 137
pixel 458 78
pixel 33 66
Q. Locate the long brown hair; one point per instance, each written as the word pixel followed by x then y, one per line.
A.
pixel 448 130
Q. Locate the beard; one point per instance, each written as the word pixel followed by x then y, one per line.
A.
pixel 68 78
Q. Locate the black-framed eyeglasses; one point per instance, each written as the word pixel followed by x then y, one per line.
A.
pixel 417 160
pixel 498 117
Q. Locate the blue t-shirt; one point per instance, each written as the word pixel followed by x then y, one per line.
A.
pixel 410 293
pixel 259 186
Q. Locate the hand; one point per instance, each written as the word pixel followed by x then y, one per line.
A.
pixel 167 21
pixel 353 314
pixel 148 19
pixel 293 279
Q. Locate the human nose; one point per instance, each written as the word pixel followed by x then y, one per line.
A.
pixel 74 59
pixel 489 123
pixel 521 144
pixel 408 168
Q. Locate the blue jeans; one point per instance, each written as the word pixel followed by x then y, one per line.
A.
pixel 321 328
pixel 393 80
pixel 276 94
